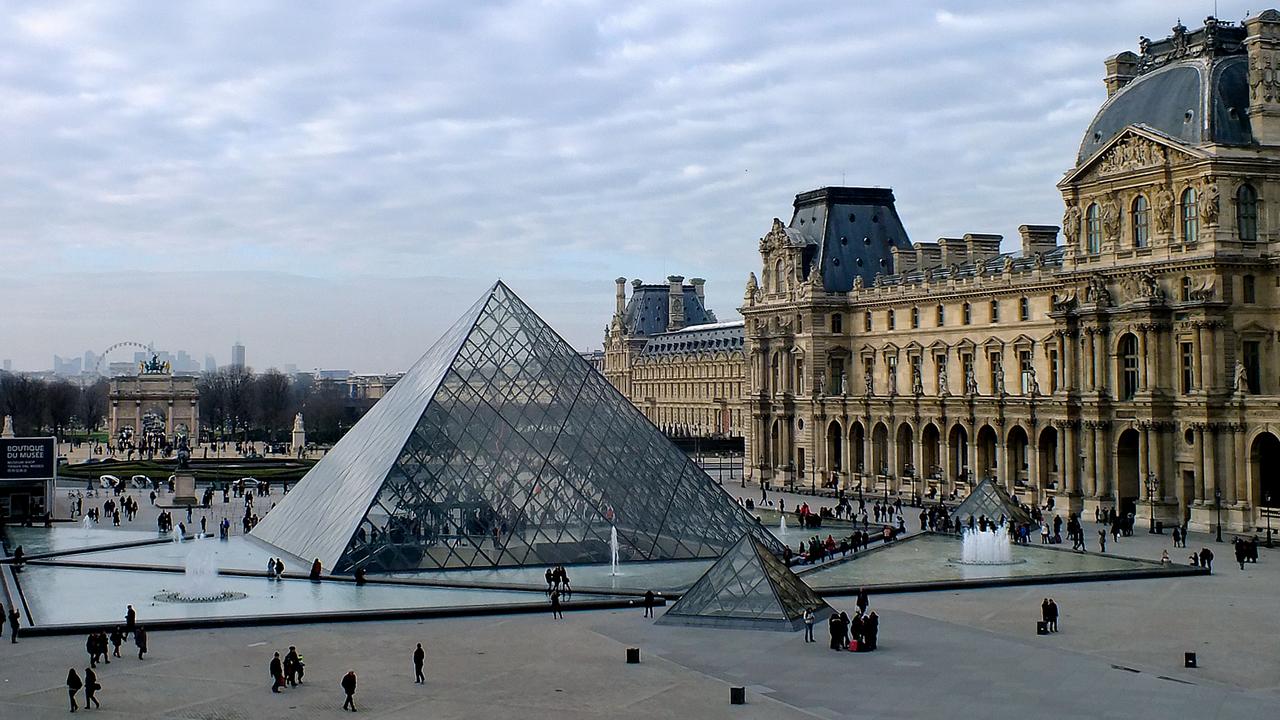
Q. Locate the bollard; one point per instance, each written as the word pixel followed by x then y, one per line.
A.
pixel 1189 660
pixel 737 696
pixel 633 656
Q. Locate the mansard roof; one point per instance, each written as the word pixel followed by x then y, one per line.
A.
pixel 848 232
pixel 707 338
pixel 648 312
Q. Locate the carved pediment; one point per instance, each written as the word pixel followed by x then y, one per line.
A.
pixel 1135 149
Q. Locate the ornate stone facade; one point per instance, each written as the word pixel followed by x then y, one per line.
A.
pixel 155 403
pixel 1136 366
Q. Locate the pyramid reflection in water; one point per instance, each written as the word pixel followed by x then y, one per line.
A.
pixel 503 447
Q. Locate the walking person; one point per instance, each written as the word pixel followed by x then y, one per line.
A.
pixel 808 625
pixel 349 687
pixel 1206 560
pixel 863 601
pixel 14 616
pixel 419 657
pixel 277 673
pixel 293 666
pixel 648 603
pixel 130 621
pixel 73 686
pixel 556 613
pixel 117 638
pixel 140 639
pixel 1102 540
pixel 91 688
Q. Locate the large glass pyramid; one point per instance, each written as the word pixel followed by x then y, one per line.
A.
pixel 748 587
pixel 503 447
pixel 992 501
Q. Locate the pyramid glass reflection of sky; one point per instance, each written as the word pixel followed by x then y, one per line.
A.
pixel 503 447
pixel 747 587
pixel 993 502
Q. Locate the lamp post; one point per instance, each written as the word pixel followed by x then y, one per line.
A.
pixel 1267 511
pixel 1217 502
pixel 1153 487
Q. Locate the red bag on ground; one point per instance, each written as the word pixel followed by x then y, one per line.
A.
pixel 853 646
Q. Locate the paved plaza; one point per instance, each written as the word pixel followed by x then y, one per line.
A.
pixel 1119 654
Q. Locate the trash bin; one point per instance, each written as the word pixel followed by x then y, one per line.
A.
pixel 1189 659
pixel 633 656
pixel 737 696
pixel 1042 628
pixel 1160 527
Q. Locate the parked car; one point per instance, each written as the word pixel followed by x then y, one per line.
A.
pixel 108 482
pixel 140 481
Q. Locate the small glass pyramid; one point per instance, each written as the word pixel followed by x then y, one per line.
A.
pixel 747 588
pixel 992 501
pixel 503 447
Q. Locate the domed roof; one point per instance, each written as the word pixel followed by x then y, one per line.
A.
pixel 1196 101
pixel 1192 86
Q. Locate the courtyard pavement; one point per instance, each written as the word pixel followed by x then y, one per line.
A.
pixel 966 652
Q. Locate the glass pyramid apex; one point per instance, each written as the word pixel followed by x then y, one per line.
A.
pixel 748 587
pixel 503 447
pixel 993 501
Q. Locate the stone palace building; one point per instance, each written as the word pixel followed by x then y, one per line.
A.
pixel 1131 363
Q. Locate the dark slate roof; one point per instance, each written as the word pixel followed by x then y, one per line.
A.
pixel 715 337
pixel 1193 87
pixel 850 231
pixel 647 312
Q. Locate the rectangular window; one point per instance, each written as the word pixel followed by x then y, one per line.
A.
pixel 940 365
pixel 868 373
pixel 967 315
pixel 1053 370
pixel 942 316
pixel 891 363
pixel 1025 370
pixel 1249 289
pixel 995 362
pixel 915 317
pixel 866 322
pixel 1024 309
pixel 1252 361
pixel 995 311
pixel 917 371
pixel 1188 367
pixel 889 319
pixel 966 369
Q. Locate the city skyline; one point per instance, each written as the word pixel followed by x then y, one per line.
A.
pixel 251 187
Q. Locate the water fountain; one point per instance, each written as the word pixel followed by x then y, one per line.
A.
pixel 87 524
pixel 987 547
pixel 613 551
pixel 782 525
pixel 200 577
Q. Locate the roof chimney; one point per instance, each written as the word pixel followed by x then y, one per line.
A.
pixel 699 288
pixel 1262 43
pixel 620 295
pixel 675 302
pixel 1121 68
pixel 1038 238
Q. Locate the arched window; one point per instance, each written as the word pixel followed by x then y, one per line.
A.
pixel 1190 222
pixel 837 323
pixel 891 320
pixel 1247 213
pixel 915 317
pixel 967 314
pixel 1093 230
pixel 1141 222
pixel 942 316
pixel 1024 309
pixel 1128 366
pixel 779 283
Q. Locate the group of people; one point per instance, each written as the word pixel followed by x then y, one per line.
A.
pixel 1049 614
pixel 855 634
pixel 1246 550
pixel 287 672
pixel 102 646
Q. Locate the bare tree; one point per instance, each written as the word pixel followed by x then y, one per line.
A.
pixel 92 408
pixel 273 402
pixel 60 400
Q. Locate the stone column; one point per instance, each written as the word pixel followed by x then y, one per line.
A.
pixel 1235 490
pixel 1090 375
pixel 1070 466
pixel 1212 377
pixel 1104 463
pixel 1070 347
pixel 1033 469
pixel 944 447
pixel 1211 464
pixel 1200 464
pixel 1144 382
pixel 1090 463
pixel 921 470
pixel 1100 364
pixel 1202 358
pixel 1152 359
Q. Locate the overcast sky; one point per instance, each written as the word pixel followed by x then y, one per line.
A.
pixel 332 183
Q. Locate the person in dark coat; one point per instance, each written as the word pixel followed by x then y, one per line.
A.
pixel 140 639
pixel 91 687
pixel 349 687
pixel 835 625
pixel 856 630
pixel 73 687
pixel 870 630
pixel 648 603
pixel 315 570
pixel 14 616
pixel 419 657
pixel 293 667
pixel 1206 559
pixel 91 646
pixel 117 639
pixel 130 621
pixel 555 605
pixel 277 673
pixel 863 601
pixel 1051 615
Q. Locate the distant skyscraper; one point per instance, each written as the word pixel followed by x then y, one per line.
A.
pixel 210 364
pixel 8 366
pixel 90 361
pixel 237 355
pixel 290 369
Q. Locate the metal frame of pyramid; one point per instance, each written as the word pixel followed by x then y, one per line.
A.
pixel 991 500
pixel 748 587
pixel 502 447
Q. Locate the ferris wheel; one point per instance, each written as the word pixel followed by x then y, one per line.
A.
pixel 102 357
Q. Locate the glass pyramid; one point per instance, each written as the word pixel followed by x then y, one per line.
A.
pixel 748 587
pixel 503 447
pixel 993 501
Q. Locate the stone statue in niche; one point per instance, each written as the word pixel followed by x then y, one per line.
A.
pixel 917 383
pixel 1240 385
pixel 970 383
pixel 1163 210
pixel 1210 203
pixel 943 390
pixel 844 383
pixel 1071 224
pixel 870 384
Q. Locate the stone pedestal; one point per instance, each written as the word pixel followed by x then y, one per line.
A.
pixel 1166 513
pixel 184 489
pixel 1091 505
pixel 1065 503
